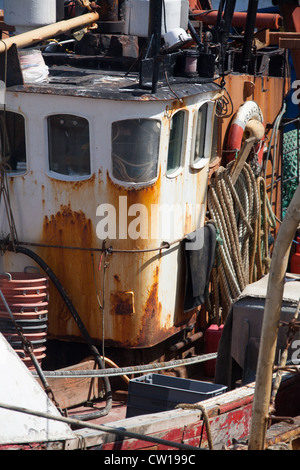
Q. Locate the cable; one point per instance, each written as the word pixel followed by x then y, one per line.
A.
pixel 106 429
pixel 81 326
pixel 114 372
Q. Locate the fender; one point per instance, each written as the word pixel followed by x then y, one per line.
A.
pixel 248 118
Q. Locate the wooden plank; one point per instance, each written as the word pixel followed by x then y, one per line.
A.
pixel 273 38
pixel 289 43
pixel 74 391
pixel 241 159
pixel 283 432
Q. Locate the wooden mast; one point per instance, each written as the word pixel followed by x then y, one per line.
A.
pixel 264 375
pixel 32 37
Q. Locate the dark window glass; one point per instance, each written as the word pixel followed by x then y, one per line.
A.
pixel 215 137
pixel 199 151
pixel 12 142
pixel 69 145
pixel 175 142
pixel 135 149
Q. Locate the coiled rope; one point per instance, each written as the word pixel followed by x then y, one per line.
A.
pixel 242 214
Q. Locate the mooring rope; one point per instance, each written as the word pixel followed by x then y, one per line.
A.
pixel 242 214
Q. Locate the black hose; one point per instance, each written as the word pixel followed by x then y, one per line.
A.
pixel 194 34
pixel 219 19
pixel 84 332
pixel 228 15
pixel 222 29
pixel 249 33
pixel 155 18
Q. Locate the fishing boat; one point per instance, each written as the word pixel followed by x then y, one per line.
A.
pixel 142 190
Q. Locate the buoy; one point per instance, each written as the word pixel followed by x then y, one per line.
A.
pixel 247 122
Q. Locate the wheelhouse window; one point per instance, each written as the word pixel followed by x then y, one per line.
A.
pixel 200 133
pixel 12 142
pixel 203 136
pixel 135 150
pixel 175 142
pixel 215 138
pixel 69 145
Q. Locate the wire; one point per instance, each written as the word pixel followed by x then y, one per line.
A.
pixel 130 369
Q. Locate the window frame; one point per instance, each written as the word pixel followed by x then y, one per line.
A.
pixel 137 184
pixel 60 176
pixel 178 170
pixel 14 174
pixel 202 161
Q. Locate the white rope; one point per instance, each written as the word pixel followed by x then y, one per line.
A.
pixel 234 209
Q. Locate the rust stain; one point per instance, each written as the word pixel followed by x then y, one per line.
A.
pixel 151 333
pixel 153 307
pixel 71 227
pixel 74 269
pixel 144 195
pixel 177 104
pixel 188 220
pixel 122 303
pixel 74 185
pixel 147 191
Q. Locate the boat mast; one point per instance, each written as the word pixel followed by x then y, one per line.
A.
pixel 32 37
pixel 263 384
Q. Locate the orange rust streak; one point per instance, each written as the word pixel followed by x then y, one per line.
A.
pixel 145 195
pixel 73 268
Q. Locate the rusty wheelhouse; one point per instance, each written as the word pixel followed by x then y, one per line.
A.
pixel 111 162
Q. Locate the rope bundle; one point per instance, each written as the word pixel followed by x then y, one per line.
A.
pixel 239 212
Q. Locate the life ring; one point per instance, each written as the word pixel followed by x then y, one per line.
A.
pixel 248 118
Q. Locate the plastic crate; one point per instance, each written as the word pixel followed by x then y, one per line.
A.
pixel 153 393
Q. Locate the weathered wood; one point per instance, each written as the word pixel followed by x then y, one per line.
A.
pixel 241 159
pixel 289 43
pixel 270 324
pixel 273 38
pixel 74 391
pixel 32 37
pixel 284 432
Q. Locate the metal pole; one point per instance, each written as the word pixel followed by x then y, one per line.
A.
pixel 39 34
pixel 249 31
pixel 155 17
pixel 264 375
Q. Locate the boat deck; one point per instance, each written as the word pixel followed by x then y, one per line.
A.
pixel 117 412
pixel 70 80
